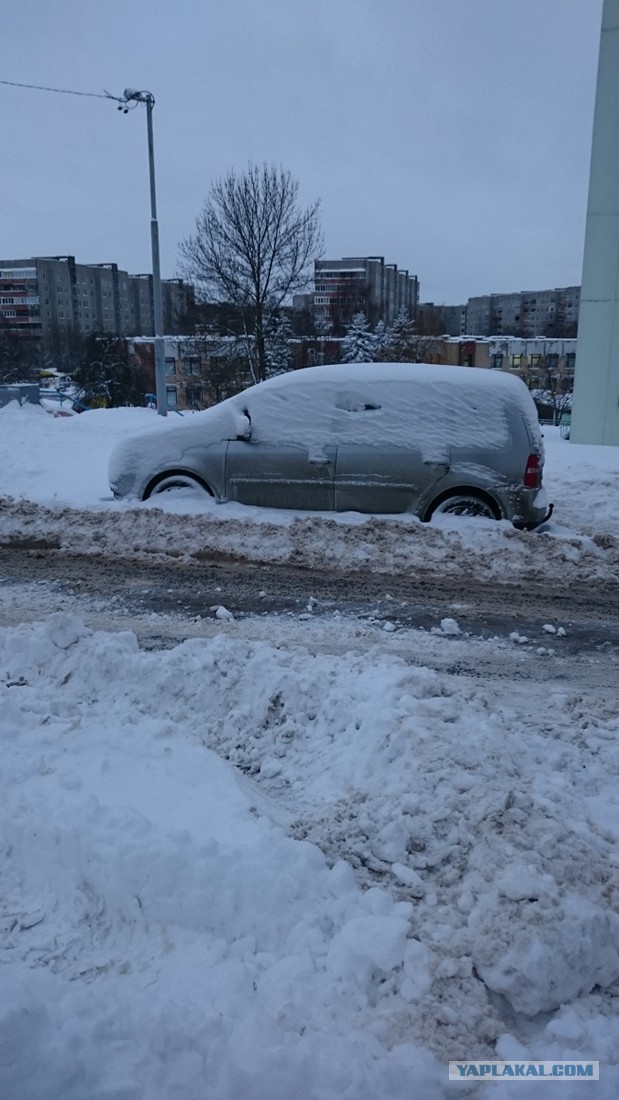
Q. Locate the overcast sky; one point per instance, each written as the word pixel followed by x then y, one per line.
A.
pixel 451 137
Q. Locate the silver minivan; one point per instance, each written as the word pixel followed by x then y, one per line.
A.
pixel 364 437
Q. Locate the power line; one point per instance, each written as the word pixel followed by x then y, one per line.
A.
pixel 62 91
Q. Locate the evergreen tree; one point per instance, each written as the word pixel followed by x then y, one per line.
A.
pixel 279 336
pixel 382 341
pixel 401 347
pixel 359 344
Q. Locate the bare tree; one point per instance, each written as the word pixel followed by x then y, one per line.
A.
pixel 220 365
pixel 253 246
pixel 107 377
pixel 550 386
pixel 63 348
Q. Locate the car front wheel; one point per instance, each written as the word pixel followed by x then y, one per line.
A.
pixel 176 480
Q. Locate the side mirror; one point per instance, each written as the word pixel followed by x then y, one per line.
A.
pixel 243 427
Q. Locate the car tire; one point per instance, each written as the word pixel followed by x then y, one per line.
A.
pixel 176 480
pixel 465 504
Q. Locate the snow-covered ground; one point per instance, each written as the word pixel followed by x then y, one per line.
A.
pixel 301 859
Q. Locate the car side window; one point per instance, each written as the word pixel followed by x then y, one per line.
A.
pixel 286 416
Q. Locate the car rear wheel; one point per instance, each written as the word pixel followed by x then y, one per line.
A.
pixel 176 480
pixel 465 504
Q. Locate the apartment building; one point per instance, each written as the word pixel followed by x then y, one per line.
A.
pixel 177 302
pixel 440 320
pixel 536 360
pixel 361 284
pixel 526 313
pixel 47 294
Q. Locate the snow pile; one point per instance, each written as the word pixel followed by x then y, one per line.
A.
pixel 180 914
pixel 574 948
pixel 451 546
pixel 160 935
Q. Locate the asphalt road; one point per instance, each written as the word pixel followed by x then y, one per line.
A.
pixel 109 589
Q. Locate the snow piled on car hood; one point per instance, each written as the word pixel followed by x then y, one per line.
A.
pixel 149 452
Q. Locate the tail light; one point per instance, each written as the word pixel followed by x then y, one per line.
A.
pixel 533 472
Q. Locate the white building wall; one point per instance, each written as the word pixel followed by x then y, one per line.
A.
pixel 595 414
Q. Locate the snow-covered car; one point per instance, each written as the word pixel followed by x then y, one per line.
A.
pixel 366 437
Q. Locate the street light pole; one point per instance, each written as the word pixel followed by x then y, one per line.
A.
pixel 133 97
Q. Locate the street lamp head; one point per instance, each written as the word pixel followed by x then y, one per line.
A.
pixel 130 99
pixel 136 96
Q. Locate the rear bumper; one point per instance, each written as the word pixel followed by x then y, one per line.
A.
pixel 532 524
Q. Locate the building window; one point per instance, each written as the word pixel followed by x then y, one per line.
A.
pixel 516 362
pixel 170 366
pixel 193 396
pixel 170 395
pixel 497 361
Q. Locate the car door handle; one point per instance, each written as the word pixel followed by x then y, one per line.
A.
pixel 320 462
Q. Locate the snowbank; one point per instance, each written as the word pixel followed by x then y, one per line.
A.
pixel 160 935
pixel 169 927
